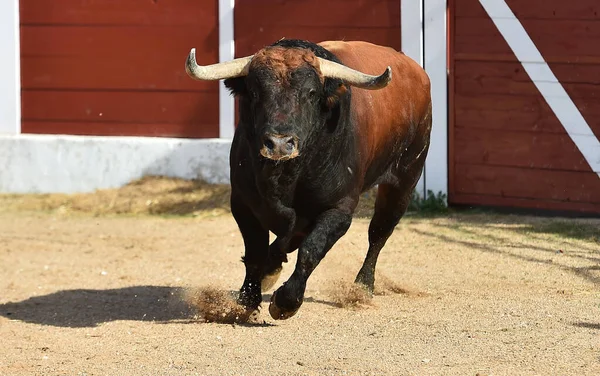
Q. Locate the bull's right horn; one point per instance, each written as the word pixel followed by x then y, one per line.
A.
pixel 353 77
pixel 219 71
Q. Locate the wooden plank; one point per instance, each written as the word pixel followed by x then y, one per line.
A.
pixel 138 58
pixel 518 149
pixel 566 73
pixel 122 129
pixel 561 38
pixel 452 98
pixel 517 112
pixel 495 201
pixel 121 42
pixel 119 12
pixel 476 78
pixel 110 73
pixel 537 9
pixel 122 107
pixel 250 41
pixel 506 112
pixel 516 182
pixel 266 14
pixel 509 56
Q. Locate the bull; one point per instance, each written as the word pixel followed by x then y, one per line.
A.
pixel 315 130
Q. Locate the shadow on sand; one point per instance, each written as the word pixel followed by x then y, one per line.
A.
pixel 88 308
pixel 82 308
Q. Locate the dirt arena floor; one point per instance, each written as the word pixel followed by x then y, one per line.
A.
pixel 99 284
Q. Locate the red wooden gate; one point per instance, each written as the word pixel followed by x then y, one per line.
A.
pixel 507 147
pixel 115 67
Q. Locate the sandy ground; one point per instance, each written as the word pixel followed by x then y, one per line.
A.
pixel 464 294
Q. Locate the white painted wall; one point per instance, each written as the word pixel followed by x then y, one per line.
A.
pixel 423 26
pixel 226 53
pixel 411 30
pixel 10 68
pixel 69 164
pixel 435 62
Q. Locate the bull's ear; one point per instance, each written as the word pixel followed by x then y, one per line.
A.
pixel 333 98
pixel 237 86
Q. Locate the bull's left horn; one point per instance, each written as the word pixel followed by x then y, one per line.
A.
pixel 228 69
pixel 353 77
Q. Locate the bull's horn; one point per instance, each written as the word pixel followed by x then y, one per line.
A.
pixel 353 77
pixel 228 69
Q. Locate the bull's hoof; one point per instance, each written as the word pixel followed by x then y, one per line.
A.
pixel 269 280
pixel 279 314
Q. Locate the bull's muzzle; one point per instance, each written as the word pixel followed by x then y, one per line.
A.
pixel 279 147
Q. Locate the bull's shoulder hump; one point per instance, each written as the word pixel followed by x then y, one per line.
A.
pixel 372 58
pixel 339 45
pixel 350 51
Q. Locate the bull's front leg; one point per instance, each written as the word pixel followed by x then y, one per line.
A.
pixel 329 227
pixel 256 244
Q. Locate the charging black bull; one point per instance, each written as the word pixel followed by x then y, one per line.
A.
pixel 316 129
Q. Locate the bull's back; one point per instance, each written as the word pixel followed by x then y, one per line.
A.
pixel 392 115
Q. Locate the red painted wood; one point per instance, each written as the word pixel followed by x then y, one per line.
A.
pixel 480 36
pixel 122 59
pixel 586 96
pixel 509 149
pixel 452 113
pixel 250 42
pixel 121 129
pixel 121 107
pixel 518 149
pixel 506 112
pixel 516 112
pixel 265 14
pixel 119 12
pixel 262 22
pixel 516 182
pixel 121 43
pixel 537 9
pixel 540 204
pixel 509 56
pixel 510 78
pixel 107 73
pixel 514 71
pixel 148 58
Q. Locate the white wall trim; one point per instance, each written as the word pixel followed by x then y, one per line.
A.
pixel 71 164
pixel 544 79
pixel 411 28
pixel 435 63
pixel 10 68
pixel 226 53
pixel 411 32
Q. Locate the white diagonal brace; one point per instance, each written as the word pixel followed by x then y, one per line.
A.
pixel 544 79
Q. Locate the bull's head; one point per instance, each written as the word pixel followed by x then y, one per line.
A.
pixel 284 94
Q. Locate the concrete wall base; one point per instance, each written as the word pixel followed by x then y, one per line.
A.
pixel 74 164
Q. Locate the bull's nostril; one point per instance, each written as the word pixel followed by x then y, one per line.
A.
pixel 278 146
pixel 269 144
pixel 290 144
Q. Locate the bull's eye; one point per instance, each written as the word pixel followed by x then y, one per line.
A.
pixel 312 94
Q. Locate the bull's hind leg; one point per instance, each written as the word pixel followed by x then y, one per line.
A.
pixel 390 205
